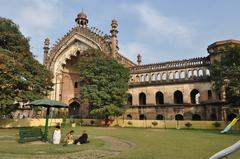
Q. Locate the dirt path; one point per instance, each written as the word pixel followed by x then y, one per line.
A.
pixel 114 146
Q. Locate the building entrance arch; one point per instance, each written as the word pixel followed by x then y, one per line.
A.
pixel 74 109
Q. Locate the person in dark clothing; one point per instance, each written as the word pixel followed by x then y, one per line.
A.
pixel 83 139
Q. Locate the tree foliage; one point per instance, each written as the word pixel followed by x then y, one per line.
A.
pixel 226 74
pixel 104 83
pixel 22 78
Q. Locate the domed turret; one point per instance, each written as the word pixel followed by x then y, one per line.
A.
pixel 82 19
pixel 114 33
pixel 139 59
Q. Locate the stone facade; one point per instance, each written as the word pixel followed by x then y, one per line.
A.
pixel 170 90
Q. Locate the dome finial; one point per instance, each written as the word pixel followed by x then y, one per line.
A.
pixel 82 19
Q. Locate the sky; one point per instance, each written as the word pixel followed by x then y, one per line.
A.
pixel 159 30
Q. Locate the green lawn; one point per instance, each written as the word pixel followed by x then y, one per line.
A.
pixel 145 144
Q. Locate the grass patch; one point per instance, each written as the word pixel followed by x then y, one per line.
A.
pixel 149 143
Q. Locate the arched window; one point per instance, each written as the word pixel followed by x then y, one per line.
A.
pixel 189 74
pixel 179 117
pixel 137 78
pixel 159 117
pixel 195 95
pixel 213 116
pixel 76 85
pixel 129 117
pixel 73 109
pixel 200 72
pixel 177 75
pixel 142 117
pixel 207 72
pixel 164 76
pixel 131 79
pixel 158 77
pixel 153 77
pixel 231 116
pixel 171 76
pixel 209 94
pixel 196 117
pixel 130 99
pixel 142 78
pixel 195 73
pixel 159 98
pixel 178 97
pixel 182 75
pixel 147 77
pixel 142 99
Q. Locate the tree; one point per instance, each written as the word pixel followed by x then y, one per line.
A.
pixel 104 84
pixel 226 74
pixel 22 78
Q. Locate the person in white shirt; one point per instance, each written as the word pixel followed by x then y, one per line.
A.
pixel 57 135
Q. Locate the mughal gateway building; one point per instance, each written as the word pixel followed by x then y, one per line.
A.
pixel 180 90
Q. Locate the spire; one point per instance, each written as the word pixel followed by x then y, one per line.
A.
pixel 82 19
pixel 139 59
pixel 46 51
pixel 114 33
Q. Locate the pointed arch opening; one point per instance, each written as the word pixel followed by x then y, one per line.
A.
pixel 129 99
pixel 177 75
pixel 207 72
pixel 213 117
pixel 129 117
pixel 142 99
pixel 153 77
pixel 171 75
pixel 195 95
pixel 178 117
pixel 196 117
pixel 142 117
pixel 74 109
pixel 190 74
pixel 178 97
pixel 231 116
pixel 159 97
pixel 182 74
pixel 159 117
pixel 164 76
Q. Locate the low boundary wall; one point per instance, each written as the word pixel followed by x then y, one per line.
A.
pixel 169 124
pixel 163 124
pixel 13 123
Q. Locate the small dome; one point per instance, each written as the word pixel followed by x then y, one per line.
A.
pixel 82 19
pixel 82 15
pixel 114 23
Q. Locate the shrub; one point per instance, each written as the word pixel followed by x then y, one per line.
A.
pixel 81 122
pixel 216 124
pixel 72 120
pixel 188 124
pixel 117 125
pixel 92 122
pixel 129 123
pixel 154 123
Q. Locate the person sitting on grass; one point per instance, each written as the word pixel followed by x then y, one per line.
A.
pixel 57 135
pixel 83 139
pixel 69 138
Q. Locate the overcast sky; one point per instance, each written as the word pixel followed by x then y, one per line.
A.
pixel 160 30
